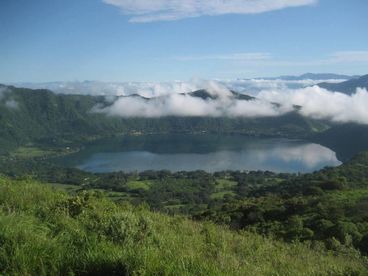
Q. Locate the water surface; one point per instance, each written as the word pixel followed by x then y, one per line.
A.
pixel 201 152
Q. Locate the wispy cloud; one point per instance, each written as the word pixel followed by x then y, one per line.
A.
pixel 267 59
pixel 235 56
pixel 350 56
pixel 167 10
pixel 335 58
pixel 12 104
pixel 339 57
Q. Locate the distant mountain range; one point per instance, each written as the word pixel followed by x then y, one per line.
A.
pixel 347 87
pixel 313 76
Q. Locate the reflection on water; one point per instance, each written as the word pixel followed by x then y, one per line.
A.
pixel 204 152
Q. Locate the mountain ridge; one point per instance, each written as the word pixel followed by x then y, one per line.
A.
pixel 312 76
pixel 347 87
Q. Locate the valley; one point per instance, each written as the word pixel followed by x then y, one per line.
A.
pixel 279 179
pixel 183 137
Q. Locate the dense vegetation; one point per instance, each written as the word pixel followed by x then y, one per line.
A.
pixel 346 140
pixel 47 232
pixel 328 206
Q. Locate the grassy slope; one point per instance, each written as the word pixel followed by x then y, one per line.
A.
pixel 45 231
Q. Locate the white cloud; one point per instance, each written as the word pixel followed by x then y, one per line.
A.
pixel 185 105
pixel 146 89
pixel 152 89
pixel 236 56
pixel 340 57
pixel 224 104
pixel 314 102
pixel 261 60
pixel 349 56
pixel 319 103
pixel 167 10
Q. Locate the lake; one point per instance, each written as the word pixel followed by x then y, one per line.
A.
pixel 201 152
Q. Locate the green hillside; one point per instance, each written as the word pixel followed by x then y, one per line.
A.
pixel 41 116
pixel 47 232
pixel 345 139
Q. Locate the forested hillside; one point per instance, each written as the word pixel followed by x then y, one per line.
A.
pixel 345 139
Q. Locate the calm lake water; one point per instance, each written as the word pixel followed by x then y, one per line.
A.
pixel 201 152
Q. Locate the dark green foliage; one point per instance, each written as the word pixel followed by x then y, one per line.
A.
pixel 329 205
pixel 345 139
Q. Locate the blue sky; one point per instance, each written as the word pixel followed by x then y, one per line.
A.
pixel 163 40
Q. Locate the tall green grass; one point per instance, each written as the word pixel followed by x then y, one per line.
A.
pixel 44 231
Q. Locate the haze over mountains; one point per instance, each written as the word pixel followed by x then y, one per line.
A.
pixel 218 99
pixel 313 102
pixel 313 76
pixel 38 115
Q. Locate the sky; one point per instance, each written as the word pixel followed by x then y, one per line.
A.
pixel 165 40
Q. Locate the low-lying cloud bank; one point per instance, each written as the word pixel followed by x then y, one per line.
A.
pixel 318 103
pixel 98 88
pixel 314 102
pixel 186 105
pixel 176 104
